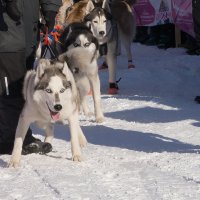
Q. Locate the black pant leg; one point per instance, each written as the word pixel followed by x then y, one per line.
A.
pixel 196 19
pixel 12 69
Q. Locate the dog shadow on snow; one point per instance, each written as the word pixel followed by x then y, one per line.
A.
pixel 132 140
pixel 176 111
pixel 135 140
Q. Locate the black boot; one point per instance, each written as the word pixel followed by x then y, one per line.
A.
pixel 197 99
pixel 194 52
pixel 35 145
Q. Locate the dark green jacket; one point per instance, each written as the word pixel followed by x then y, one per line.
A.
pixel 25 35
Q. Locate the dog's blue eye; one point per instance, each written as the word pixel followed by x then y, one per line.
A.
pixel 76 45
pixel 87 44
pixel 48 90
pixel 62 90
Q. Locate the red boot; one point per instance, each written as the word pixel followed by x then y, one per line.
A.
pixel 103 66
pixel 130 64
pixel 113 89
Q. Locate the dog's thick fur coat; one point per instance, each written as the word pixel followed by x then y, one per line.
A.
pixel 51 95
pixel 87 68
pixel 80 49
pixel 120 27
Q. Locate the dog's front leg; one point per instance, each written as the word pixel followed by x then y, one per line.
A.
pixel 49 133
pixel 95 83
pixel 74 131
pixel 111 61
pixel 84 87
pixel 22 127
pixel 84 104
pixel 81 137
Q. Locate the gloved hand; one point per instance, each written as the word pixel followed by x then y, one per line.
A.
pixel 49 17
pixel 12 10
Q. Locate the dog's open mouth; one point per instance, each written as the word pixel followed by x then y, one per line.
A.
pixel 54 115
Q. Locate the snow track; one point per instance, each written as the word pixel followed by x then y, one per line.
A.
pixel 147 149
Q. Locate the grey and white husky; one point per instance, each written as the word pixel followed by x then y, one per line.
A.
pixel 51 96
pixel 80 49
pixel 112 24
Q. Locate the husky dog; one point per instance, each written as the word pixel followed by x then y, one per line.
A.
pixel 51 95
pixel 60 19
pixel 123 15
pixel 99 20
pixel 70 13
pixel 78 42
pixel 112 25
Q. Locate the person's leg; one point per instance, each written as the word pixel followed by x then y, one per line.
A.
pixel 166 38
pixel 196 20
pixel 10 109
pixel 12 73
pixel 141 34
pixel 154 36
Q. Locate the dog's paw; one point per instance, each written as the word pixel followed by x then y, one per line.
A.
pixel 82 142
pixel 89 114
pixel 100 119
pixel 77 158
pixel 14 163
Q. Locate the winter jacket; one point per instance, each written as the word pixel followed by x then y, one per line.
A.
pixel 24 34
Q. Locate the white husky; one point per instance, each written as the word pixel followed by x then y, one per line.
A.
pixel 51 95
pixel 111 24
pixel 99 20
pixel 80 48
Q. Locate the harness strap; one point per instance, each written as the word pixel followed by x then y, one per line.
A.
pixel 48 39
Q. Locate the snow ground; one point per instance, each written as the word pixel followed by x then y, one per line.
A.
pixel 147 149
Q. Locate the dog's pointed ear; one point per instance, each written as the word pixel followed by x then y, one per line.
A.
pixel 65 70
pixel 70 78
pixel 89 7
pixel 105 5
pixel 88 24
pixel 42 65
pixel 63 67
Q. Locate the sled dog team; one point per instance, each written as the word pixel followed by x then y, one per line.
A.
pixel 57 90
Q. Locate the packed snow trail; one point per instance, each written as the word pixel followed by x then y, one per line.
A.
pixel 147 148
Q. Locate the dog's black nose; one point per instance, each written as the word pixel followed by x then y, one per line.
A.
pixel 101 33
pixel 57 107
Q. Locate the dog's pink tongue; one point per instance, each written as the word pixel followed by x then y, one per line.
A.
pixel 55 116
